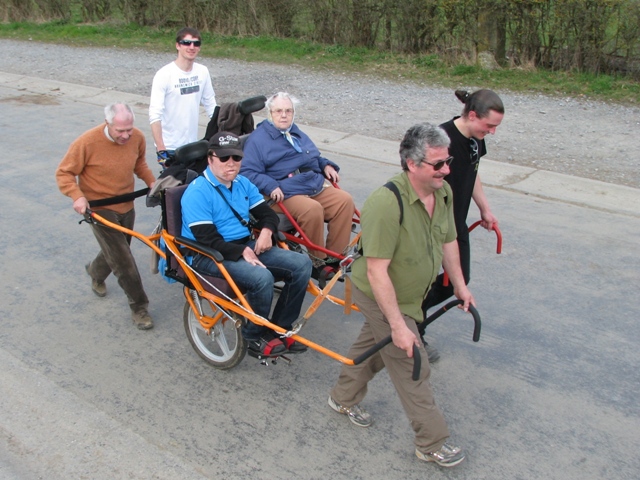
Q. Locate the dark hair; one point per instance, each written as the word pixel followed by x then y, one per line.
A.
pixel 183 32
pixel 480 101
pixel 416 141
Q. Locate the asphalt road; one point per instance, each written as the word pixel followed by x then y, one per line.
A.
pixel 550 391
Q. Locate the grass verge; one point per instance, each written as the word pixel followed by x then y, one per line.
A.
pixel 423 69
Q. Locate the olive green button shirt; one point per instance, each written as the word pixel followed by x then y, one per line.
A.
pixel 415 247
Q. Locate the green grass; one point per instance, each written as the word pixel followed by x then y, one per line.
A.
pixel 423 69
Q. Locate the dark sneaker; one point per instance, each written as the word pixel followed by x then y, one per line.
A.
pixel 293 346
pixel 448 455
pixel 99 288
pixel 358 415
pixel 142 320
pixel 432 352
pixel 265 347
pixel 322 273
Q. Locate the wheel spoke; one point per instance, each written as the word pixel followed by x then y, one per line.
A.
pixel 224 346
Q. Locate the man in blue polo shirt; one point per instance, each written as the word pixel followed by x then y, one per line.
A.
pixel 218 209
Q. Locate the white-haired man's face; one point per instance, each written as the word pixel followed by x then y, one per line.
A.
pixel 121 128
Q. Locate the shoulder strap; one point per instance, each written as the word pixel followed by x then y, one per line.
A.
pixel 394 188
pixel 237 215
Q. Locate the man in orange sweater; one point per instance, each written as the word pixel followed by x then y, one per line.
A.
pixel 100 164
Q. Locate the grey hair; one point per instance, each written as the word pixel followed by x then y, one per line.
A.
pixel 284 95
pixel 113 109
pixel 416 141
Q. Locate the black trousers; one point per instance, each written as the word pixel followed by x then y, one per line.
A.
pixel 438 293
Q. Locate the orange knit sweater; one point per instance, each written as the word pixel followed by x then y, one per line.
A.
pixel 95 167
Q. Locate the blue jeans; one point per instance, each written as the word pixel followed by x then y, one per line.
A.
pixel 257 282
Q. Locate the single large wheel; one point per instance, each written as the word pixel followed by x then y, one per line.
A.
pixel 224 347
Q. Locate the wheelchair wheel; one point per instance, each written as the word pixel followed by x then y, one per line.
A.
pixel 225 346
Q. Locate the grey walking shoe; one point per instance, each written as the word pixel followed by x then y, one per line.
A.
pixel 356 413
pixel 448 455
pixel 142 320
pixel 99 288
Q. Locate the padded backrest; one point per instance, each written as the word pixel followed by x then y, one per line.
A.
pixel 173 209
pixel 173 225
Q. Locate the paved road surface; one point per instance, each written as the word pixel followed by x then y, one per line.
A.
pixel 550 391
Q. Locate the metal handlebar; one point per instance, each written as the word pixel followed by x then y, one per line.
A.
pixel 495 228
pixel 417 361
pixel 472 310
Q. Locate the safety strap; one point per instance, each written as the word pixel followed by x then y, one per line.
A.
pixel 127 197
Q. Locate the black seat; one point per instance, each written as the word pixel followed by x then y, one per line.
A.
pixel 172 219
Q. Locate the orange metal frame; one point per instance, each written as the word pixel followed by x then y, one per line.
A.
pixel 239 305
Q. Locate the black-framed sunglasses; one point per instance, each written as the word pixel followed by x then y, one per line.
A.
pixel 473 150
pixel 187 43
pixel 438 165
pixel 226 158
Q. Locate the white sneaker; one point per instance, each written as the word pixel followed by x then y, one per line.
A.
pixel 448 455
pixel 356 413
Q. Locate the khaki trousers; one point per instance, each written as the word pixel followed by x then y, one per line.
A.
pixel 426 419
pixel 332 205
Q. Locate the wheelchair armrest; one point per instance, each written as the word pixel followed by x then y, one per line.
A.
pixel 198 247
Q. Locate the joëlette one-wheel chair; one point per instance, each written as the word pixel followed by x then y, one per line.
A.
pixel 216 308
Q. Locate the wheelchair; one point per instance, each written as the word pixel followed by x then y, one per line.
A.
pixel 215 308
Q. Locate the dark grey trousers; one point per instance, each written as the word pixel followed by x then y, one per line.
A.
pixel 115 257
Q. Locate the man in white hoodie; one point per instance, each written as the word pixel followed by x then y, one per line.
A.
pixel 177 92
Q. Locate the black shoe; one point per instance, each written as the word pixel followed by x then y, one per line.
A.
pixel 294 346
pixel 432 352
pixel 322 273
pixel 335 265
pixel 265 347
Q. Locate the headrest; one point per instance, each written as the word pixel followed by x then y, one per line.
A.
pixel 250 105
pixel 191 153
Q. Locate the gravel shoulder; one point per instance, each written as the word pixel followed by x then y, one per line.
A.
pixel 566 135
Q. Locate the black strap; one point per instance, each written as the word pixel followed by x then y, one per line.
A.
pixel 237 215
pixel 394 188
pixel 127 197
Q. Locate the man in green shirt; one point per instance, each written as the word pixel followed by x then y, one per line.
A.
pixel 404 242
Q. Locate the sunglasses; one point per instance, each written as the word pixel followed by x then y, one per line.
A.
pixel 226 158
pixel 438 165
pixel 187 43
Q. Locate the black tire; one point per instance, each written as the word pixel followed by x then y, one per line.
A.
pixel 225 347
